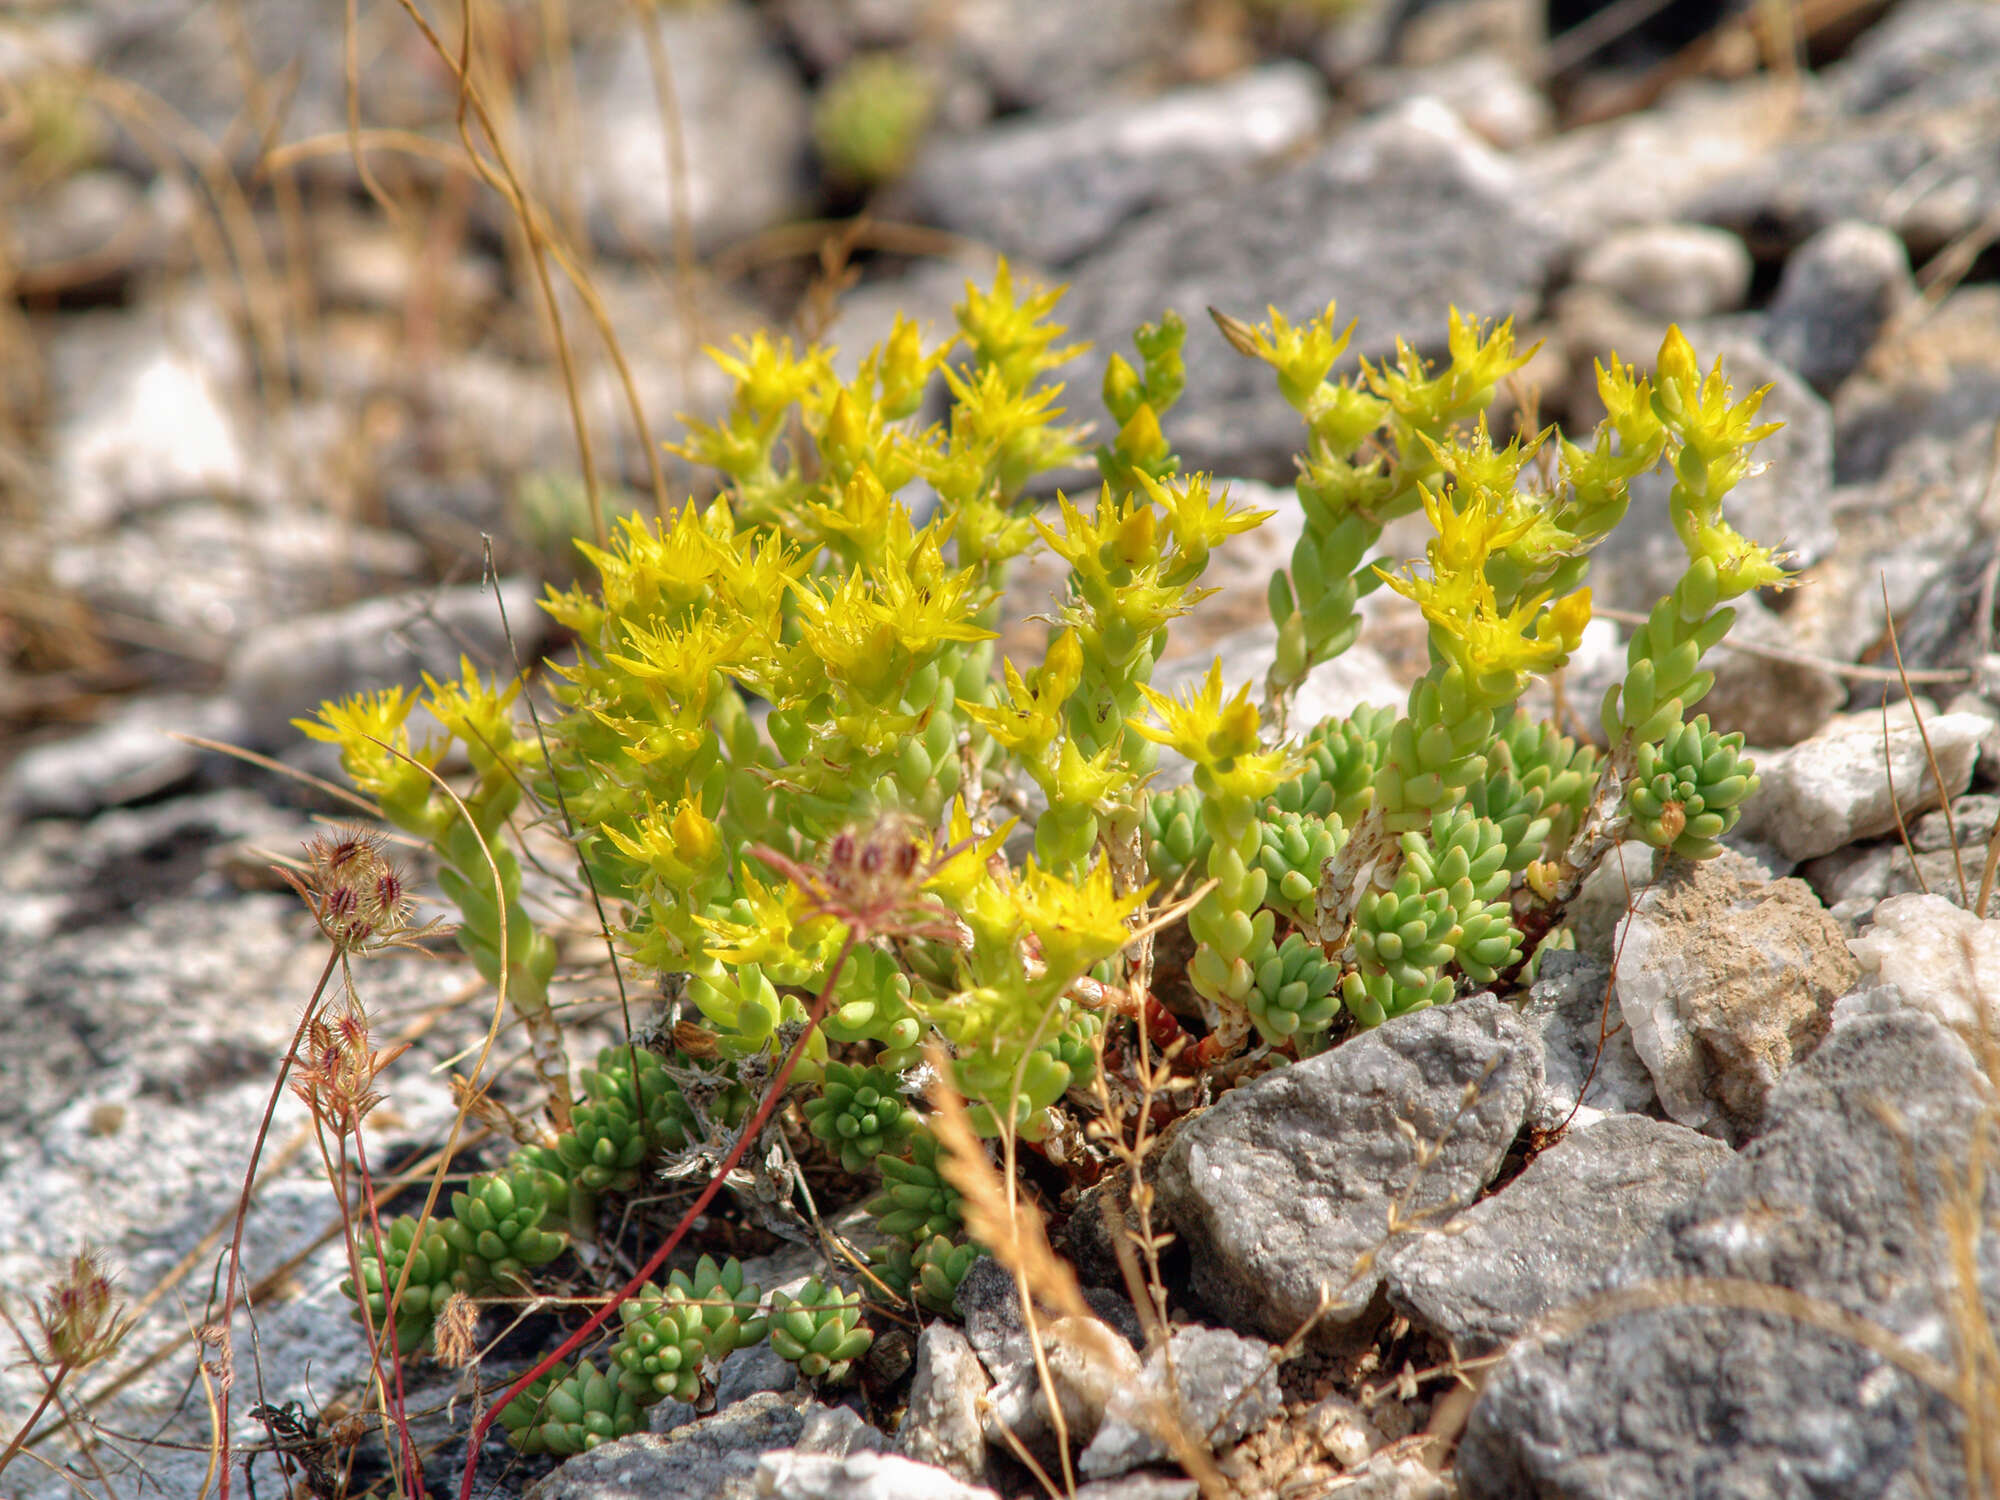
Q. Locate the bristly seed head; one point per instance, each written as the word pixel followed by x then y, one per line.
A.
pixel 81 1315
pixel 871 878
pixel 359 899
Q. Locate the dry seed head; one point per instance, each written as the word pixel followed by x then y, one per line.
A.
pixel 82 1316
pixel 360 900
pixel 455 1333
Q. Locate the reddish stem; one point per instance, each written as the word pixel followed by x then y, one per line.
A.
pixel 242 1215
pixel 412 1463
pixel 644 1274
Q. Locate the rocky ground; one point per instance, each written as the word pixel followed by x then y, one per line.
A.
pixel 260 404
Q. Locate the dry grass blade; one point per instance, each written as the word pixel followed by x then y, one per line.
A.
pixel 1011 1230
pixel 1930 759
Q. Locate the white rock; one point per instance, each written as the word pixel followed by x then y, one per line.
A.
pixel 1675 271
pixel 1834 788
pixel 148 417
pixel 858 1476
pixel 1938 956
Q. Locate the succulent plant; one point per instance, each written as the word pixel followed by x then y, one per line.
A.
pixel 570 1410
pixel 820 1331
pixel 432 1268
pixel 916 1203
pixel 860 1112
pixel 496 1226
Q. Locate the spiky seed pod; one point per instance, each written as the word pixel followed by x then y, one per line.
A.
pixel 1688 792
pixel 1295 847
pixel 496 1225
pixel 916 1202
pixel 728 1304
pixel 660 1346
pixel 433 1266
pixel 820 1331
pixel 1298 991
pixel 569 1411
pixel 1402 938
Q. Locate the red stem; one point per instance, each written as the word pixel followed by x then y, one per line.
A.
pixel 750 1133
pixel 412 1462
pixel 243 1214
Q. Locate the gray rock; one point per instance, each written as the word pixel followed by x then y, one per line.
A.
pixel 144 1002
pixel 1726 980
pixel 91 230
pixel 1839 1202
pixel 210 572
pixel 1834 788
pixel 1650 167
pixel 1968 825
pixel 1838 291
pixel 1674 272
pixel 1033 53
pixel 860 1476
pixel 990 1305
pixel 1854 880
pixel 286 672
pixel 1227 1387
pixel 196 61
pixel 1392 1476
pixel 1492 94
pixel 1883 138
pixel 1929 383
pixel 1768 699
pixel 1283 1189
pixel 747 1371
pixel 1399 217
pixel 1088 1368
pixel 1590 1068
pixel 838 1432
pixel 126 758
pixel 744 121
pixel 1607 894
pixel 1548 1237
pixel 718 1457
pixel 1053 189
pixel 941 1426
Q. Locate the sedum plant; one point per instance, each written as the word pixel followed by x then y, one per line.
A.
pixel 794 770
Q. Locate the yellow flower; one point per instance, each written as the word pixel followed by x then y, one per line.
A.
pixel 1031 718
pixel 477 714
pixel 681 850
pixel 872 633
pixel 783 935
pixel 1302 355
pixel 1076 925
pixel 1493 646
pixel 364 727
pixel 1220 738
pixel 959 864
pixel 677 664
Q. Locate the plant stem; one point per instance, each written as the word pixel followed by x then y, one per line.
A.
pixel 20 1439
pixel 243 1213
pixel 750 1132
